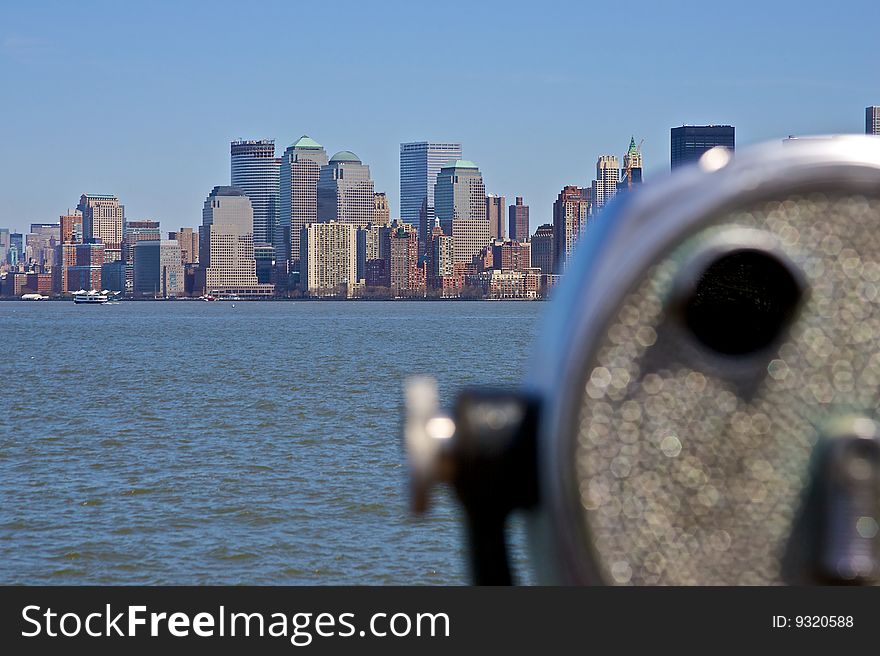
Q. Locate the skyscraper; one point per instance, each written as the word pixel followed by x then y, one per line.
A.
pixel 102 219
pixel 872 120
pixel 605 185
pixel 328 259
pixel 495 214
pixel 631 173
pixel 345 191
pixel 226 252
pixel 254 169
pixel 570 213
pixel 4 245
pixel 460 204
pixel 135 231
pixel 689 142
pixel 518 220
pixel 40 243
pixel 420 162
pixel 300 169
pixel 158 270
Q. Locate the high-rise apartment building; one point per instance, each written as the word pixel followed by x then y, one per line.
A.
pixel 689 142
pixel 460 204
pixel 518 220
pixel 71 227
pixel 404 277
pixel 4 245
pixel 570 213
pixel 605 185
pixel 226 252
pixel 369 248
pixel 158 270
pixel 872 120
pixel 189 245
pixel 543 253
pixel 103 219
pixel 345 191
pixel 495 207
pixel 381 209
pixel 328 259
pixel 254 170
pixel 300 169
pixel 420 162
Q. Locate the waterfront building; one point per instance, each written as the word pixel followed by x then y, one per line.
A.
pixel 500 284
pixel 86 273
pixel 300 169
pixel 135 231
pixel 542 251
pixel 345 191
pixel 38 283
pixel 369 248
pixel 510 255
pixel 381 209
pixel 570 213
pixel 117 276
pixel 103 219
pixel 518 221
pixel 227 264
pixel 404 274
pixel 495 207
pixel 254 169
pixel 872 120
pixel 264 257
pixel 420 163
pixel 689 142
pixel 158 270
pixel 605 185
pixel 328 259
pixel 631 173
pixel 460 205
pixel 189 245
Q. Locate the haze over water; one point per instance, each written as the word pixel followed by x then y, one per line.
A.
pixel 201 443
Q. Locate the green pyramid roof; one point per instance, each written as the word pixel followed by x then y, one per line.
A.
pixel 307 143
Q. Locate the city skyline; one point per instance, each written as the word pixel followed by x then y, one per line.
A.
pixel 165 72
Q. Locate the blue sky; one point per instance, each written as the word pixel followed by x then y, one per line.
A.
pixel 142 99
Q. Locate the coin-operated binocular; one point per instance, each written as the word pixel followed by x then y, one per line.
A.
pixel 704 399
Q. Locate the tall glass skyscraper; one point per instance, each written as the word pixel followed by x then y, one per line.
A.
pixel 689 142
pixel 461 208
pixel 420 162
pixel 255 172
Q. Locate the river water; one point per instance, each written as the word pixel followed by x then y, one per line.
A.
pixel 247 443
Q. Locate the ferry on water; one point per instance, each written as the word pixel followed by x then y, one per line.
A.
pixel 92 297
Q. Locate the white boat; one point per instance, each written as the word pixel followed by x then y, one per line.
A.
pixel 92 297
pixel 33 297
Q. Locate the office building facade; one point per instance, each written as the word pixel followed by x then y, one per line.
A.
pixel 254 170
pixel 543 254
pixel 604 187
pixel 495 214
pixel 689 142
pixel 420 162
pixel 103 218
pixel 345 191
pixel 300 169
pixel 158 269
pixel 460 204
